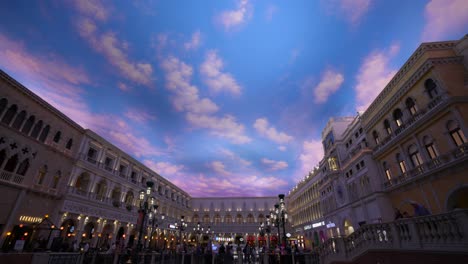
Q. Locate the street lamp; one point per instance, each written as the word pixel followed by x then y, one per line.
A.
pixel 152 217
pixel 275 219
pixel 146 206
pixel 283 215
pixel 181 227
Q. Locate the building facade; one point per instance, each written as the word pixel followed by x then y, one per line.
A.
pixel 406 155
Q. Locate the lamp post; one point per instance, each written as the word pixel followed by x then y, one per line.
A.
pixel 181 227
pixel 152 217
pixel 283 216
pixel 146 206
pixel 199 231
pixel 275 219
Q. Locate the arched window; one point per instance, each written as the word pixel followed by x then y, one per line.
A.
pixel 228 218
pixel 387 127
pixel 23 167
pixel 206 218
pixel 28 125
pixel 375 135
pixel 82 182
pixel 37 128
pixel 411 106
pixel 388 173
pixel 401 163
pixel 261 218
pixel 217 219
pixel 430 147
pixel 56 180
pixel 129 198
pixel 42 174
pixel 11 112
pixel 10 165
pixel 431 88
pixel 456 133
pixel 69 144
pixel 2 156
pixel 415 156
pixel 57 136
pixel 116 193
pixel 3 104
pixel 44 133
pixel 239 219
pixel 398 117
pixel 250 219
pixel 19 120
pixel 101 189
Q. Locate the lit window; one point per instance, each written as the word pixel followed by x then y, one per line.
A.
pixel 387 171
pixel 387 127
pixel 456 133
pixel 430 147
pixel 376 137
pixel 401 163
pixel 415 156
pixel 411 106
pixel 398 117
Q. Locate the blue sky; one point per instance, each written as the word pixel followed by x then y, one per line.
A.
pixel 223 98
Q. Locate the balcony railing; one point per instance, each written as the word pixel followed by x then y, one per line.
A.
pixel 458 154
pixel 11 177
pixel 410 122
pixel 443 232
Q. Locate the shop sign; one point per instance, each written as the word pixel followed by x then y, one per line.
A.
pixel 172 226
pixel 30 219
pixel 307 227
pixel 318 224
pixel 298 229
pixel 330 225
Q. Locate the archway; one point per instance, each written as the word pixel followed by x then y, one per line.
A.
pixel 348 227
pixel 88 231
pixel 67 228
pixel 458 199
pixel 82 182
pixel 106 236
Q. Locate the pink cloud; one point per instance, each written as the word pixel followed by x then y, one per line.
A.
pixel 311 155
pixel 224 127
pixel 374 74
pixel 138 115
pixel 194 42
pixel 329 84
pixel 93 8
pixel 351 10
pixel 236 158
pixel 123 87
pixel 214 78
pixel 444 17
pixel 231 19
pixel 275 165
pixel 165 168
pixel 282 148
pixel 218 167
pixel 263 128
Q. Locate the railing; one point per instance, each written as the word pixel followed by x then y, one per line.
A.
pixel 447 159
pixel 409 123
pixel 435 233
pixel 11 177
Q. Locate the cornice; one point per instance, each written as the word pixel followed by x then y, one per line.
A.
pixel 415 77
pixel 39 100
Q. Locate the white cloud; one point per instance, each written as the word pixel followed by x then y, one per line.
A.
pixel 186 98
pixel 225 127
pixel 329 84
pixel 165 169
pixel 311 155
pixel 275 165
pixel 231 19
pixel 115 52
pixel 219 168
pixel 374 74
pixel 236 158
pixel 214 78
pixel 270 12
pixel 123 87
pixel 194 42
pixel 282 148
pixel 444 17
pixel 263 128
pixel 351 10
pixel 95 9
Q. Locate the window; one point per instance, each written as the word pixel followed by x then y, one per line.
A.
pixel 376 137
pixel 37 128
pixel 456 133
pixel 387 127
pixel 42 174
pixel 358 167
pixel 415 156
pixel 3 104
pixel 2 156
pixel 430 147
pixel 10 165
pixel 108 163
pixel 23 167
pixel 69 144
pixel 19 120
pixel 387 170
pixel 411 106
pixel 398 117
pixel 431 88
pixel 56 180
pixel 362 163
pixel 122 170
pixel 92 153
pixel 133 176
pixel 28 125
pixel 401 163
pixel 57 136
pixel 11 112
pixel 332 162
pixel 44 133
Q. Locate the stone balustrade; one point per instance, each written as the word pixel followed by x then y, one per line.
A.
pixel 446 232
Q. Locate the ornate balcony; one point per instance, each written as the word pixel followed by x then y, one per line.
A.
pixel 446 233
pixel 11 177
pixel 447 160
